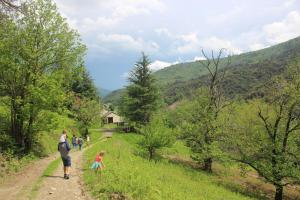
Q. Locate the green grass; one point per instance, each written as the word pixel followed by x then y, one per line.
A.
pixel 128 174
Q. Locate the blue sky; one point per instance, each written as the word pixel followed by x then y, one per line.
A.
pixel 173 31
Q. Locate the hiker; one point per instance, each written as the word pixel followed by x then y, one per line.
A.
pixel 74 142
pixel 98 164
pixel 80 143
pixel 64 148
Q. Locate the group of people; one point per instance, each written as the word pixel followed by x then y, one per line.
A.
pixel 77 142
pixel 64 149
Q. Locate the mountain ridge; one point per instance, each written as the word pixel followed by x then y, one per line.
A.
pixel 245 72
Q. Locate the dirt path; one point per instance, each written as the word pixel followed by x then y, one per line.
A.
pixel 55 187
pixel 18 186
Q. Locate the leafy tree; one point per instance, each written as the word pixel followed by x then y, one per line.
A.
pixel 87 112
pixel 199 119
pixel 265 134
pixel 141 99
pixel 38 52
pixel 156 135
pixel 198 125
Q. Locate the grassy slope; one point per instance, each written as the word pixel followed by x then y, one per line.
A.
pixel 129 174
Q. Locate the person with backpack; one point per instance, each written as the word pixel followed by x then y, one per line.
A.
pixel 64 149
pixel 74 142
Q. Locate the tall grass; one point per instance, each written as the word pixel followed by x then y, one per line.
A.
pixel 129 175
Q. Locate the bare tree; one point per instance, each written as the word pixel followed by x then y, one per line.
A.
pixel 216 100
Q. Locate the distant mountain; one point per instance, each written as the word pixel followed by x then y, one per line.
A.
pixel 103 92
pixel 244 75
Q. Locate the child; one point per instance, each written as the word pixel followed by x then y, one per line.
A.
pixel 80 143
pixel 98 164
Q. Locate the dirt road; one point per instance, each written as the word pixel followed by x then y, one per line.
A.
pixel 19 186
pixel 56 187
pixel 53 187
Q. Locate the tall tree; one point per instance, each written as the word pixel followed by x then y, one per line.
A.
pixel 265 134
pixel 82 84
pixel 141 99
pixel 199 120
pixel 37 54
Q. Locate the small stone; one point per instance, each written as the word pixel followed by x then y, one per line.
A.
pixel 53 188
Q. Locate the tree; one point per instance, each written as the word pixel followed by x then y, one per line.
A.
pixel 82 84
pixel 199 120
pixel 156 135
pixel 265 134
pixel 38 51
pixel 86 112
pixel 197 124
pixel 141 98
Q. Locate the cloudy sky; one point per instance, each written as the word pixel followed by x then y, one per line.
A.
pixel 172 31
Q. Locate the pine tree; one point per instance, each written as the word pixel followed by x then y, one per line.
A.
pixel 141 98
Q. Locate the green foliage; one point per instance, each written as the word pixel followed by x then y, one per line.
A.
pixel 42 75
pixel 38 52
pixel 264 134
pixel 87 112
pixel 82 84
pixel 128 175
pixel 196 123
pixel 156 136
pixel 141 98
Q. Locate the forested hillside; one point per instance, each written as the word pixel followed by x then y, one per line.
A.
pixel 244 73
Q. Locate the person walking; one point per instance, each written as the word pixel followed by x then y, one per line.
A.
pixel 64 149
pixel 74 142
pixel 80 143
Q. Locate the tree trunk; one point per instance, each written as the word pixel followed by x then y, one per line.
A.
pixel 17 121
pixel 151 153
pixel 29 133
pixel 208 165
pixel 279 193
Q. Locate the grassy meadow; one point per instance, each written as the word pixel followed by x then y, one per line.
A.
pixel 129 175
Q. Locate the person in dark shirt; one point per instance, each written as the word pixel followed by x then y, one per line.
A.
pixel 64 149
pixel 74 142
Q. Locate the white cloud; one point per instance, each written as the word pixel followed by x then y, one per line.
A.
pixel 99 15
pixel 289 3
pixel 215 43
pixel 283 30
pixel 158 64
pixel 257 46
pixel 193 44
pixel 126 8
pixel 197 58
pixel 126 42
pixel 163 32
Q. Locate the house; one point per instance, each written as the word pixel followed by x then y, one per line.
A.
pixel 110 117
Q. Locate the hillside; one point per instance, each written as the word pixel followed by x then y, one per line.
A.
pixel 245 72
pixel 103 92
